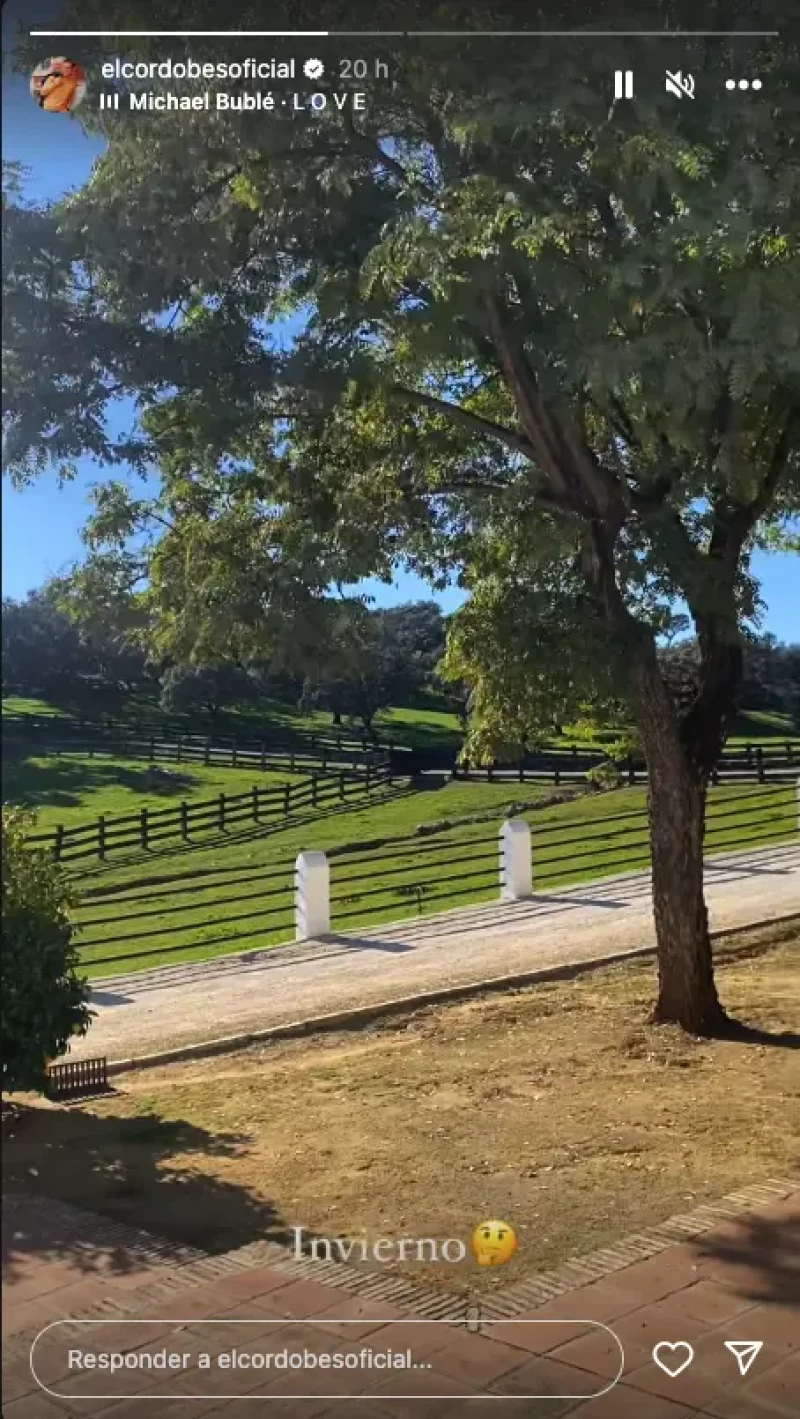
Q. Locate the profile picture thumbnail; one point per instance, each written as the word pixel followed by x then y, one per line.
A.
pixel 58 85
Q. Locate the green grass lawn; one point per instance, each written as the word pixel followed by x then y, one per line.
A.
pixel 75 788
pixel 394 853
pixel 762 727
pixel 23 704
pixel 425 726
pixel 392 857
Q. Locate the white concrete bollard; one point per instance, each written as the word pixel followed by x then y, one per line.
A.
pixel 516 869
pixel 312 901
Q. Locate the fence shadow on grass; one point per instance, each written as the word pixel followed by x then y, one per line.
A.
pixel 230 839
pixel 124 1169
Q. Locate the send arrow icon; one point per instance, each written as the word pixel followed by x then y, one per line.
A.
pixel 745 1352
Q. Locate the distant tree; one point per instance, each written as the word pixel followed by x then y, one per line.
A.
pixel 351 678
pixel 187 688
pixel 44 999
pixel 411 640
pixel 771 678
pixel 100 599
pixel 42 650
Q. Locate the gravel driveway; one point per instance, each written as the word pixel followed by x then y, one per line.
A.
pixel 161 1009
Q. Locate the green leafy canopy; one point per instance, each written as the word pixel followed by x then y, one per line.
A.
pixel 544 346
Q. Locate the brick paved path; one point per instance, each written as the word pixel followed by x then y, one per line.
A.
pixel 738 1280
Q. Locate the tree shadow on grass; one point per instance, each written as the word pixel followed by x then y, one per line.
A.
pixel 140 1172
pixel 743 1034
pixel 744 726
pixel 53 783
pixel 65 781
pixel 758 1257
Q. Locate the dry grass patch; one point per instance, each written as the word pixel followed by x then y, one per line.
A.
pixel 553 1107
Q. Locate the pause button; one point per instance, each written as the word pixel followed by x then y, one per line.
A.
pixel 623 83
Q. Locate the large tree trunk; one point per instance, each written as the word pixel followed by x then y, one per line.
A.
pixel 687 994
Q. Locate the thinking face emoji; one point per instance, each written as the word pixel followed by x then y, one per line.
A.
pixel 494 1243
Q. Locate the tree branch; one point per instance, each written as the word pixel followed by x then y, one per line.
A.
pixel 734 522
pixel 372 149
pixel 574 474
pixel 498 432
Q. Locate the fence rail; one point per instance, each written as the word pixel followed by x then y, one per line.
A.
pixel 304 743
pixel 753 762
pixel 186 741
pixel 200 913
pixel 187 819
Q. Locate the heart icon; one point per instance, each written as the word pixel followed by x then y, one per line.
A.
pixel 672 1359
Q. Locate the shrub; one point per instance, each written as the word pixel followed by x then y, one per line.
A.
pixel 604 777
pixel 44 999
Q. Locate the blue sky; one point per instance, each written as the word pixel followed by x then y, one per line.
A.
pixel 41 525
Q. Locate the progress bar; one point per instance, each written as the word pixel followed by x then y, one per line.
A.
pixel 406 34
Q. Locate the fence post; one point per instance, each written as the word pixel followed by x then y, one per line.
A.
pixel 180 746
pixel 516 869
pixel 143 827
pixel 798 805
pixel 314 789
pixel 152 749
pixel 631 772
pixel 490 773
pixel 522 769
pixel 254 796
pixel 185 820
pixel 369 775
pixel 556 776
pixel 341 783
pixel 287 799
pixel 207 752
pixel 101 837
pixel 760 763
pixel 58 846
pixel 312 898
pixel 221 813
pixel 292 760
pixel 234 752
pixel 748 749
pixel 324 758
pixel 263 756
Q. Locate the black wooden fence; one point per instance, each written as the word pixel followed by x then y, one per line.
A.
pixel 66 731
pixel 211 910
pixel 187 819
pixel 751 762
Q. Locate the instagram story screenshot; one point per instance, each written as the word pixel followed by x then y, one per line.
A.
pixel 401 710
